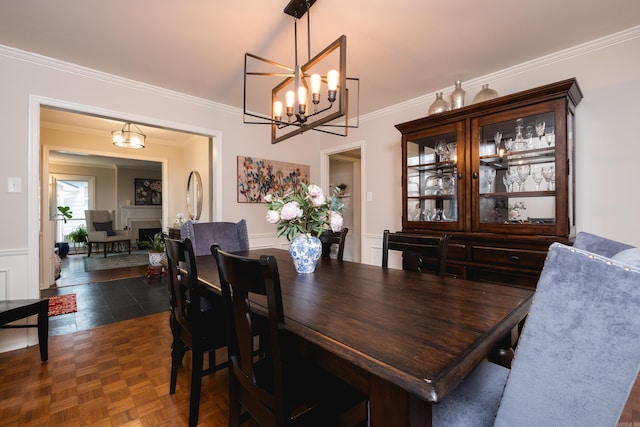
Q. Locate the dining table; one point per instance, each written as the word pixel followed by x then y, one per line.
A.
pixel 406 339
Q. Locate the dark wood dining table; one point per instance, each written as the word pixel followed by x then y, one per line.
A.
pixel 406 339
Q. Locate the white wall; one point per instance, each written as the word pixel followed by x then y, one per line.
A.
pixel 607 150
pixel 608 201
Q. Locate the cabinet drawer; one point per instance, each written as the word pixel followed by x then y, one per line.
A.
pixel 519 258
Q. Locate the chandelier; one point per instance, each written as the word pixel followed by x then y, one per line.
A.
pixel 321 80
pixel 127 138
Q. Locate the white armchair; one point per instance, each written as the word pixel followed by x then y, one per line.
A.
pixel 100 230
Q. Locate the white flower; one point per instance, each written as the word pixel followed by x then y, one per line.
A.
pixel 315 191
pixel 317 196
pixel 336 221
pixel 273 217
pixel 291 210
pixel 268 198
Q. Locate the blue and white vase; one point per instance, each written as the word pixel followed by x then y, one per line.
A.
pixel 305 251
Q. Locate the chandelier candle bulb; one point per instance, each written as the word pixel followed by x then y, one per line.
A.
pixel 316 81
pixel 277 109
pixel 332 84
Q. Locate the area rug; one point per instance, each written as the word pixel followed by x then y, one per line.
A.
pixel 62 304
pixel 120 260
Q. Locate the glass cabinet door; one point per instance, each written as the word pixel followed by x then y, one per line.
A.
pixel 516 171
pixel 433 181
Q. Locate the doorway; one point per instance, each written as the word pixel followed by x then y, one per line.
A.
pixel 84 141
pixel 342 166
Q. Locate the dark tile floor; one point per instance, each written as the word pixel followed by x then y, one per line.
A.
pixel 107 302
pixel 103 302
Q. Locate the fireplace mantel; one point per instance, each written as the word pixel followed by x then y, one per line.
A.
pixel 137 217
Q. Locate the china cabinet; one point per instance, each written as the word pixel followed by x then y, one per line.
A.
pixel 496 175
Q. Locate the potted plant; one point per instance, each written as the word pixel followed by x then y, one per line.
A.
pixel 65 213
pixel 78 235
pixel 156 249
pixel 341 187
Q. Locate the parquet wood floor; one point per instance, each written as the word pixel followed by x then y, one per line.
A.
pixel 113 375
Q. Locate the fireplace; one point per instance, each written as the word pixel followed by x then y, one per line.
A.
pixel 146 234
pixel 142 221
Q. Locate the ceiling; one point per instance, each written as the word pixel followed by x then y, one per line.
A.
pixel 398 49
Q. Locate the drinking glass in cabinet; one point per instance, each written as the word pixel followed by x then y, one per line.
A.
pixel 536 175
pixel 490 176
pixel 549 175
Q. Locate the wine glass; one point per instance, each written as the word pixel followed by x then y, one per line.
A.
pixel 540 125
pixel 548 173
pixel 529 137
pixel 536 174
pixel 523 172
pixel 441 150
pixel 508 145
pixel 508 180
pixel 550 136
pixel 490 175
pixel 497 138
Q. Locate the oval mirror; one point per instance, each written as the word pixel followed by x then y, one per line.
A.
pixel 194 196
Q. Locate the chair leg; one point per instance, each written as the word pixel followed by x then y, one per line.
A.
pixel 196 383
pixel 177 353
pixel 234 401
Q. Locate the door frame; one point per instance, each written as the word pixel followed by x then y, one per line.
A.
pixel 324 180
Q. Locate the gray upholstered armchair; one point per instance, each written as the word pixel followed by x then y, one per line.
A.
pixel 100 230
pixel 579 352
pixel 230 236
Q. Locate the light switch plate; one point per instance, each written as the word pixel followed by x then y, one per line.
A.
pixel 14 185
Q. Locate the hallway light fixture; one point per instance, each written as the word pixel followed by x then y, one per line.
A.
pixel 296 115
pixel 127 138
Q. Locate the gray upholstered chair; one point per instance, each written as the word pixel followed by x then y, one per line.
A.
pixel 599 245
pixel 100 231
pixel 230 236
pixel 578 356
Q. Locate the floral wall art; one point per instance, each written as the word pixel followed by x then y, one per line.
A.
pixel 148 191
pixel 259 177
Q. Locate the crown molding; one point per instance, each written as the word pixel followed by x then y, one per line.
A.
pixel 71 68
pixel 476 83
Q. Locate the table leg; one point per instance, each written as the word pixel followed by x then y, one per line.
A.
pixel 389 405
pixel 43 333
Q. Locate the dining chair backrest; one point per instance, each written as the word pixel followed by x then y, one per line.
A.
pixel 230 236
pixel 419 252
pixel 330 238
pixel 183 282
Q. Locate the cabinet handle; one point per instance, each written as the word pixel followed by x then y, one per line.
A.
pixel 475 175
pixel 515 258
pixel 460 176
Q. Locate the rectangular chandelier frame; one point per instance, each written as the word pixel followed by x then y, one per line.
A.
pixel 299 76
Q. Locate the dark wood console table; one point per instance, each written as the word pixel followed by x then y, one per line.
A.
pixel 13 310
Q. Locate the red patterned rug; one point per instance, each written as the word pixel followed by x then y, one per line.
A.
pixel 62 304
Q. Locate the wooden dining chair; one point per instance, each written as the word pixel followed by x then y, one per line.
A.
pixel 279 388
pixel 419 252
pixel 330 238
pixel 577 358
pixel 197 321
